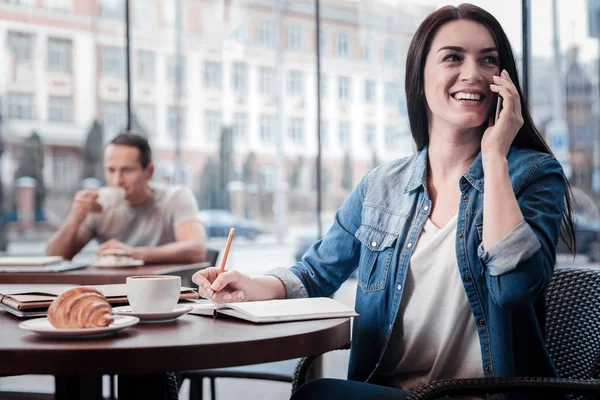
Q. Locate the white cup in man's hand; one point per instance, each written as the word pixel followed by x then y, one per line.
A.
pixel 110 196
pixel 153 293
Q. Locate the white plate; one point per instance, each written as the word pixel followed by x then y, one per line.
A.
pixel 134 263
pixel 43 327
pixel 155 318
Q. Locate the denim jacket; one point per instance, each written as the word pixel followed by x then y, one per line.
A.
pixel 377 227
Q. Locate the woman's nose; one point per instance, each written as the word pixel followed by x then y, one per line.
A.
pixel 471 73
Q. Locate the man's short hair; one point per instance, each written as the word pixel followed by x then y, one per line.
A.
pixel 132 139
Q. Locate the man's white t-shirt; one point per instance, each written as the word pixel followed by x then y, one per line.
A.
pixel 152 223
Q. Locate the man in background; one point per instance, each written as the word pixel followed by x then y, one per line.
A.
pixel 149 221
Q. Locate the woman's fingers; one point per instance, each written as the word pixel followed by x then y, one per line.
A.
pixel 225 279
pixel 204 279
pixel 226 296
pixel 505 80
pixel 507 98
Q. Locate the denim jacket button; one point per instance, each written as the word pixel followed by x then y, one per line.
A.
pixel 374 244
pixel 481 322
pixel 466 198
pixel 409 245
pixel 468 278
pixel 426 208
pixel 399 287
pixel 488 368
pixel 461 236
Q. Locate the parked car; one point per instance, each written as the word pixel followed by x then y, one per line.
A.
pixel 218 222
pixel 587 233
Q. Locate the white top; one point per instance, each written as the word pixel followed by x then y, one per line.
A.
pixel 434 335
pixel 152 223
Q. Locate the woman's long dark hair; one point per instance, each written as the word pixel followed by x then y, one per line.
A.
pixel 528 136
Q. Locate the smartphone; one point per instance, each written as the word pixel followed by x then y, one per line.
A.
pixel 498 108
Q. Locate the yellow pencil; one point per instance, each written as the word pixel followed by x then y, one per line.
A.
pixel 224 259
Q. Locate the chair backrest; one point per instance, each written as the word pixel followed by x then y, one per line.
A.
pixel 211 257
pixel 573 322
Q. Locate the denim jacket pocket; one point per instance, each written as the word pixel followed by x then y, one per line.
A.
pixel 375 257
pixel 479 226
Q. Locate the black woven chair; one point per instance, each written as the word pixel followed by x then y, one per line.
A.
pixel 572 338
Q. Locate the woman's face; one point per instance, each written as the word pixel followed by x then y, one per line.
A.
pixel 458 72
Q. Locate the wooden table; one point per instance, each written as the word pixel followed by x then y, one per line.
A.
pixel 85 276
pixel 194 342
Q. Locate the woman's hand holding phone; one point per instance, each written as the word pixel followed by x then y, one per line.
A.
pixel 500 133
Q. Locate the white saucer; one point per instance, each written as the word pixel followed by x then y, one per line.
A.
pixel 43 327
pixel 155 318
pixel 129 264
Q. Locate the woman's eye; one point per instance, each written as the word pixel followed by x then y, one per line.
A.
pixel 451 57
pixel 490 60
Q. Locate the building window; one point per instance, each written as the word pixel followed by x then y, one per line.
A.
pixel 112 61
pixel 267 34
pixel 390 137
pixel 389 51
pixel 323 41
pixel 146 66
pixel 370 92
pixel 370 136
pixel 295 37
pixel 147 116
pixel 240 34
pixel 19 45
pixel 112 9
pixel 240 78
pixel 369 49
pixel 343 88
pixel 296 84
pixel 266 80
pixel 324 134
pixel 344 134
pixel 60 109
pixel 59 55
pixel 172 69
pixel 20 106
pixel 212 74
pixel 22 2
pixel 343 45
pixel 212 121
pixel 113 117
pixel 391 95
pixel 297 130
pixel 176 121
pixel 62 170
pixel 145 14
pixel 323 87
pixel 170 13
pixel 240 126
pixel 59 5
pixel 267 128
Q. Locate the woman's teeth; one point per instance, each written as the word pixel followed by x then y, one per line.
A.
pixel 468 96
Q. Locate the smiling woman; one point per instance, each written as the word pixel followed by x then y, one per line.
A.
pixel 457 238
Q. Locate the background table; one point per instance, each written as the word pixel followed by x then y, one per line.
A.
pixel 85 276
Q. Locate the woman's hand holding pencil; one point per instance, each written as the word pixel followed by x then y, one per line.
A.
pixel 231 286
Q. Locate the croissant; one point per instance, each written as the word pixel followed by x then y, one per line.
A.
pixel 80 307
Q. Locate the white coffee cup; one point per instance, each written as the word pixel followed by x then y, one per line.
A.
pixel 153 293
pixel 110 196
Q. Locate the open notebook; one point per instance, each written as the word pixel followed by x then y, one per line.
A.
pixel 278 310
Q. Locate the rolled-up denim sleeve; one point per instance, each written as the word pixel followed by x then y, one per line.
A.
pixel 515 247
pixel 520 266
pixel 294 288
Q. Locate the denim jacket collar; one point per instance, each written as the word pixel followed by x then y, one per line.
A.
pixel 418 176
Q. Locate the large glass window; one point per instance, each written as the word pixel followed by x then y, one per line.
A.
pixel 60 109
pixel 19 44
